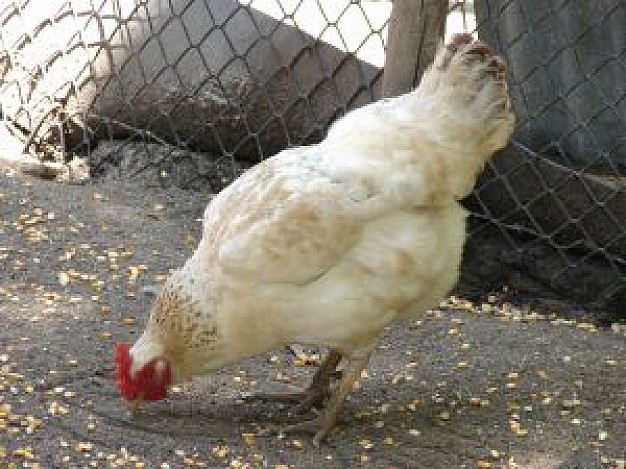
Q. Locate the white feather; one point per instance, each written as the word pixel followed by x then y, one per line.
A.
pixel 330 243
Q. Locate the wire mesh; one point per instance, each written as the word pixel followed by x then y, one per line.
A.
pixel 558 191
pixel 234 81
pixel 191 92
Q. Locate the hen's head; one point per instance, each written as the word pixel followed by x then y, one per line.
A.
pixel 149 383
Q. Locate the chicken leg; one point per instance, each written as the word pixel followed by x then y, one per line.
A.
pixel 317 392
pixel 325 422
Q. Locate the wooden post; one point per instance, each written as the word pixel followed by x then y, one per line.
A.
pixel 416 28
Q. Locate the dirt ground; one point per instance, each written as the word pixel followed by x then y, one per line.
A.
pixel 469 386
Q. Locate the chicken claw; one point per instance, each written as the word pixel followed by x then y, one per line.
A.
pixel 315 395
pixel 318 426
pixel 325 422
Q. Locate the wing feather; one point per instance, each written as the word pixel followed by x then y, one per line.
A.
pixel 285 220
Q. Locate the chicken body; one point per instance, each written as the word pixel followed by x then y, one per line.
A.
pixel 328 244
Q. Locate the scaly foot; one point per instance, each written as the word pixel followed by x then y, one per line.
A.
pixel 315 395
pixel 320 426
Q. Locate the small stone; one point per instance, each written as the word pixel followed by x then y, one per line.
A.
pixel 248 438
pixel 83 446
pixel 221 451
pixel 570 403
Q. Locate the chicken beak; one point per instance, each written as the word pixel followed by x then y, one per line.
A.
pixel 133 406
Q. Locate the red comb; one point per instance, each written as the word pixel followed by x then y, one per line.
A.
pixel 145 386
pixel 122 370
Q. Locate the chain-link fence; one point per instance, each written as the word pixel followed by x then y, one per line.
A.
pixel 218 82
pixel 557 195
pixel 190 92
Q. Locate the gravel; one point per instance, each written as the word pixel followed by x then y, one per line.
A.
pixel 470 385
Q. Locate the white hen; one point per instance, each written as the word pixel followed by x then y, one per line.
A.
pixel 330 243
